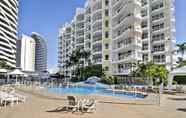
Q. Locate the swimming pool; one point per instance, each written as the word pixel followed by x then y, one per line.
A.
pixel 98 89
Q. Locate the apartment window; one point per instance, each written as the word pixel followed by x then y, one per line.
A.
pixel 144 35
pixel 158 27
pixel 157 6
pixel 145 57
pixel 106 23
pixel 118 33
pixel 106 68
pixel 144 24
pixel 159 48
pixel 124 55
pixel 144 2
pixel 106 57
pixel 158 37
pixel 124 42
pixel 159 58
pixel 106 3
pixel 144 13
pixel 106 34
pixel 145 46
pixel 106 12
pixel 158 16
pixel 106 46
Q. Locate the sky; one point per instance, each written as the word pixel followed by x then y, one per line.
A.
pixel 46 16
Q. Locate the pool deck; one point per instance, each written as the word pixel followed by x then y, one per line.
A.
pixel 40 102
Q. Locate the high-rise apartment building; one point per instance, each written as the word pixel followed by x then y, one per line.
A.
pixel 65 48
pixel 26 53
pixel 40 52
pixel 126 35
pixel 158 27
pixel 8 31
pixel 121 32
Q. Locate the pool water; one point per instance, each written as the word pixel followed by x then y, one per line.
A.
pixel 99 90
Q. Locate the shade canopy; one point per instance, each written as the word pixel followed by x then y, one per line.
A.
pixel 181 70
pixel 176 72
pixel 16 72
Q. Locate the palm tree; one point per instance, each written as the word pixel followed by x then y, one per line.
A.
pixel 181 48
pixel 75 60
pixel 162 73
pixel 140 71
pixel 85 55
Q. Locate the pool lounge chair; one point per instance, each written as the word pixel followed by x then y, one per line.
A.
pixel 21 98
pixel 6 98
pixel 73 103
pixel 89 106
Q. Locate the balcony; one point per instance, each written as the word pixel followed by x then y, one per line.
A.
pixel 97 16
pixel 124 6
pixel 128 19
pixel 126 32
pixel 121 8
pixel 97 27
pixel 97 37
pixel 97 50
pixel 124 71
pixel 128 58
pixel 97 6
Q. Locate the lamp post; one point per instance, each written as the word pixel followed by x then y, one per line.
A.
pixel 160 89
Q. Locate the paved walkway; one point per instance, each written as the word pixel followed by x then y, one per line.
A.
pixel 37 106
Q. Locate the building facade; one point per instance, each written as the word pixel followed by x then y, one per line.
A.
pixel 40 52
pixel 26 53
pixel 121 32
pixel 8 31
pixel 158 27
pixel 126 35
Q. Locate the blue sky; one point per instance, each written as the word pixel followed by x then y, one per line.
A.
pixel 46 16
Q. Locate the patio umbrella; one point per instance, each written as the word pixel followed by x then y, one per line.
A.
pixel 16 72
pixel 176 72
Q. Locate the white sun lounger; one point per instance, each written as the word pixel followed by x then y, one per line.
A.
pixel 21 98
pixel 73 103
pixel 88 105
pixel 6 98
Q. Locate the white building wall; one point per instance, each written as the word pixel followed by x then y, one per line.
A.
pixel 8 31
pixel 139 31
pixel 27 53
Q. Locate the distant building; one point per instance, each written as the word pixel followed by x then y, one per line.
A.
pixel 26 53
pixel 120 32
pixel 40 52
pixel 8 31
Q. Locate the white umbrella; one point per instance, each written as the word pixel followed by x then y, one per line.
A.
pixel 16 72
pixel 179 71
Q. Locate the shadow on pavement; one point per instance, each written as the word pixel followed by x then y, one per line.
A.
pixel 58 109
pixel 177 99
pixel 182 109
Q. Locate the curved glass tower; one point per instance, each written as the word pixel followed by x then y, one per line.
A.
pixel 40 53
pixel 8 31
